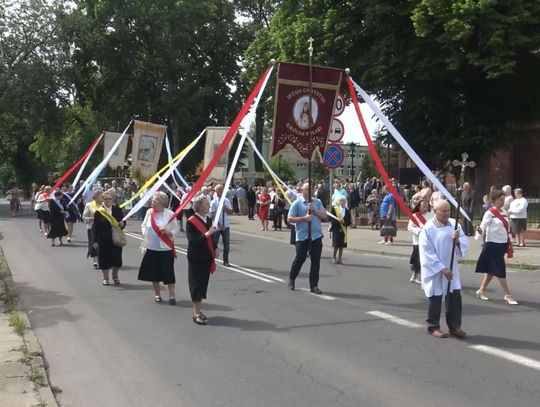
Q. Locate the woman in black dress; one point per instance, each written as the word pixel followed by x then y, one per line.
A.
pixel 73 211
pixel 109 254
pixel 339 228
pixel 58 212
pixel 252 201
pixel 201 254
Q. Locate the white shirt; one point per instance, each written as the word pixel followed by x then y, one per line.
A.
pixel 415 230
pixel 507 201
pixel 518 207
pixel 41 202
pixel 151 239
pixel 223 221
pixel 435 245
pixel 493 227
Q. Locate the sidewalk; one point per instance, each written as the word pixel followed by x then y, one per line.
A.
pixel 365 240
pixel 23 379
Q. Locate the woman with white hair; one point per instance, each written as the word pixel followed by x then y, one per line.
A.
pixel 508 198
pixel 158 233
pixel 88 218
pixel 201 255
pixel 518 216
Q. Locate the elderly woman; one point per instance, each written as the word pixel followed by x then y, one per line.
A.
pixel 422 214
pixel 388 217
pixel 58 213
pixel 158 234
pixel 495 227
pixel 73 211
pixel 372 203
pixel 264 208
pixel 338 227
pixel 109 254
pixel 42 208
pixel 518 216
pixel 201 254
pixel 88 218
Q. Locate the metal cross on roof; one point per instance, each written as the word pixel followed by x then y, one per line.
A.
pixel 463 164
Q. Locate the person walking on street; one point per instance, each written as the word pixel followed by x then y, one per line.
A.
pixel 88 218
pixel 498 242
pixel 388 217
pixel 518 216
pixel 338 227
pixel 251 202
pixel 58 213
pixel 223 228
pixel 422 214
pixel 435 247
pixel 201 254
pixel 302 214
pixel 158 244
pixel 353 203
pixel 467 205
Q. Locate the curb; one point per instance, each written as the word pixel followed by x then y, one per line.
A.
pixel 37 361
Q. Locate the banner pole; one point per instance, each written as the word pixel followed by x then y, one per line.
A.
pixel 310 121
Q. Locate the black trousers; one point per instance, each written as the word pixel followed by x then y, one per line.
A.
pixel 453 313
pixel 468 228
pixel 302 248
pixel 251 211
pixel 226 235
pixel 278 217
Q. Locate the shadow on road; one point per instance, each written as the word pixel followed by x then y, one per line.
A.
pixel 503 343
pixel 244 324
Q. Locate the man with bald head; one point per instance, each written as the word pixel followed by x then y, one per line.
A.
pixel 223 229
pixel 303 213
pixel 435 245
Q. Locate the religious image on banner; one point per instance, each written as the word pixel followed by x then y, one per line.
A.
pixel 118 158
pixel 295 126
pixel 214 138
pixel 147 144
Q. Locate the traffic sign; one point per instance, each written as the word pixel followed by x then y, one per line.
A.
pixel 333 156
pixel 337 131
pixel 340 104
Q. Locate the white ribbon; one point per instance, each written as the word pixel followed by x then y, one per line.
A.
pixel 93 176
pixel 407 148
pixel 170 158
pixel 83 166
pixel 239 150
pixel 146 196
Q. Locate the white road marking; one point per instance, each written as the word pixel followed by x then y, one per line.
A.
pixel 394 319
pixel 490 350
pixel 323 296
pixel 512 357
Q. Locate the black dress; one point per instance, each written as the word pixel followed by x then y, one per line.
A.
pixel 73 211
pixel 109 255
pixel 58 227
pixel 338 235
pixel 200 260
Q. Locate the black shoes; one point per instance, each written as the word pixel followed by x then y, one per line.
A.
pixel 226 264
pixel 291 285
pixel 316 290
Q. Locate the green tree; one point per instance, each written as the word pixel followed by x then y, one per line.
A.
pixel 453 76
pixel 283 168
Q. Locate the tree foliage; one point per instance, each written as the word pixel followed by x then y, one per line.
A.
pixel 453 76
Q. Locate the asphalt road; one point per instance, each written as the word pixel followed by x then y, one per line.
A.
pixel 265 345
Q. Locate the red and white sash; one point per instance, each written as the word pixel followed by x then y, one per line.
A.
pixel 166 239
pixel 421 218
pixel 497 214
pixel 201 227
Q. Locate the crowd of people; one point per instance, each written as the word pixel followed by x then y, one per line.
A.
pixel 300 207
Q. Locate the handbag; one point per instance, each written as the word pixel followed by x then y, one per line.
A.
pixel 118 236
pixel 389 228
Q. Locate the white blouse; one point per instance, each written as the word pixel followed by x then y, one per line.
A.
pixel 415 230
pixel 493 228
pixel 518 207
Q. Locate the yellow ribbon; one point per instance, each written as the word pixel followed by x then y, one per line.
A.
pixel 276 181
pixel 337 208
pixel 109 217
pixel 157 174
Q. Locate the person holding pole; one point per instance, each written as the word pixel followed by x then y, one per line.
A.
pixel 439 272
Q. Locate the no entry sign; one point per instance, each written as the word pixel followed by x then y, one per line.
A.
pixel 333 156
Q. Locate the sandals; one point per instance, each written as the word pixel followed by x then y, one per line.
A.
pixel 157 299
pixel 509 300
pixel 105 282
pixel 480 295
pixel 116 281
pixel 199 320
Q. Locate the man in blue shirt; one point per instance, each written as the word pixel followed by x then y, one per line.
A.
pixel 302 214
pixel 388 212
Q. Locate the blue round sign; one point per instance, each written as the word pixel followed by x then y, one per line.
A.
pixel 333 156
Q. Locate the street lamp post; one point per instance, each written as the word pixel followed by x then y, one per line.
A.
pixel 353 146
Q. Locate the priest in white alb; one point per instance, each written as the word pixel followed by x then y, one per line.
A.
pixel 435 244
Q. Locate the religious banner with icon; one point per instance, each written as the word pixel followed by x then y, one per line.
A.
pixel 293 126
pixel 118 157
pixel 214 138
pixel 147 144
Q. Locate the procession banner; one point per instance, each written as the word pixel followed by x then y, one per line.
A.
pixel 292 123
pixel 118 158
pixel 214 138
pixel 176 161
pixel 147 144
pixel 259 88
pixel 376 158
pixel 74 167
pixel 406 147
